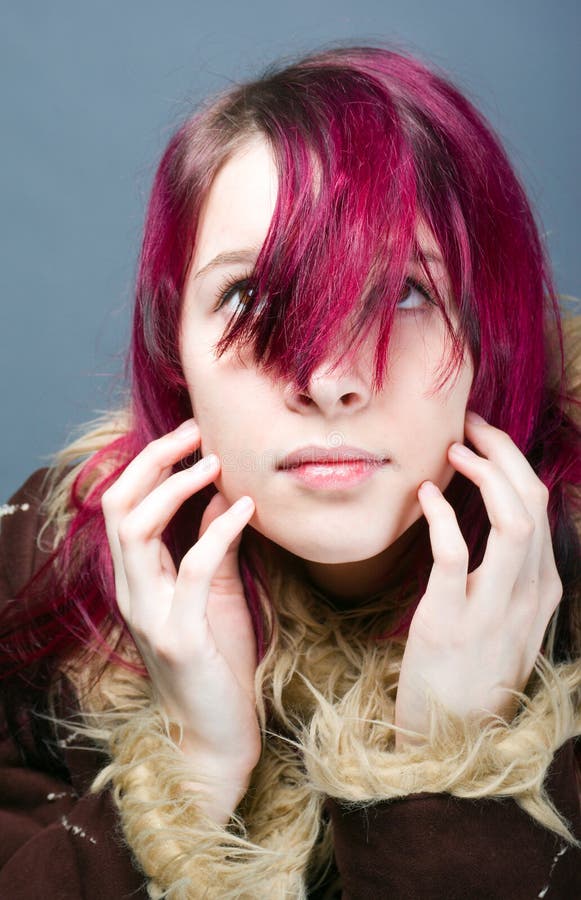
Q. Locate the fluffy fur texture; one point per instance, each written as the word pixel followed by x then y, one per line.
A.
pixel 330 693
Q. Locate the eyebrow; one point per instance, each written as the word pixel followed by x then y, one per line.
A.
pixel 227 258
pixel 429 257
pixel 250 255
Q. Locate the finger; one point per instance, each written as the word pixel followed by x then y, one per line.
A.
pixel 149 468
pixel 447 581
pixel 512 527
pixel 550 586
pixel 216 507
pixel 201 564
pixel 498 447
pixel 226 580
pixel 147 611
pixel 140 531
pixel 540 568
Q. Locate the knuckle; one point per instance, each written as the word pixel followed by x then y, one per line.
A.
pixel 156 451
pixel 192 568
pixel 538 494
pixel 109 501
pixel 520 528
pixel 504 439
pixel 453 558
pixel 129 531
pixel 220 534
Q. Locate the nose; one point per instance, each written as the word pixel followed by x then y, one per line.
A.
pixel 331 393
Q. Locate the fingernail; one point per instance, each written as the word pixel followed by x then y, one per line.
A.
pixel 188 427
pixel 429 489
pixel 461 450
pixel 208 462
pixel 475 419
pixel 243 504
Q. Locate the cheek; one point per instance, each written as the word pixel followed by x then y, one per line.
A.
pixel 216 422
pixel 201 371
pixel 203 394
pixel 435 418
pixel 452 396
pixel 223 403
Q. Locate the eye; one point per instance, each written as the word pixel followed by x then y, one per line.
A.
pixel 414 297
pixel 233 295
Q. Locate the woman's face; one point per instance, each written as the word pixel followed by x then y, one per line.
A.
pixel 326 515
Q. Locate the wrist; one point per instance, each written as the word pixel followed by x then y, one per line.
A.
pixel 220 781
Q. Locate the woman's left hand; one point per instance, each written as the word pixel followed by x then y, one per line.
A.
pixel 475 635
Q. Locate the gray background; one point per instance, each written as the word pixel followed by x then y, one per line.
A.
pixel 90 94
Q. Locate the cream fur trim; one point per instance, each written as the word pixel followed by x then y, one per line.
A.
pixel 277 838
pixel 350 758
pixel 184 853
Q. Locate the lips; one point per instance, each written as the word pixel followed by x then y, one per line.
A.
pixel 313 454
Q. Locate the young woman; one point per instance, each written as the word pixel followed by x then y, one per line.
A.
pixel 303 619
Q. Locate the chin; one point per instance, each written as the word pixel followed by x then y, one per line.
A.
pixel 350 540
pixel 333 553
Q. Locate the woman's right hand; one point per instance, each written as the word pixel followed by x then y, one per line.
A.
pixel 192 626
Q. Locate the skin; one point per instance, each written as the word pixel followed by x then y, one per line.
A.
pixel 346 537
pixel 474 637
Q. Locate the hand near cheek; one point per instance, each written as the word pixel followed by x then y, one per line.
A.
pixel 473 636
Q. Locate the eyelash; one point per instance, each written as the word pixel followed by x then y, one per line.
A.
pixel 228 288
pixel 424 290
pixel 231 285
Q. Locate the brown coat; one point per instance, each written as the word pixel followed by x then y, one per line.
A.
pixel 59 840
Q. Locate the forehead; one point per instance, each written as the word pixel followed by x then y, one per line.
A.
pixel 238 209
pixel 237 212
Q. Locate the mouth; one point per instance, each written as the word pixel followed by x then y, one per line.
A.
pixel 334 476
pixel 331 456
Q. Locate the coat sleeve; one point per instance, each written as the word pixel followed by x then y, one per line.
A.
pixel 444 847
pixel 57 839
pixel 479 811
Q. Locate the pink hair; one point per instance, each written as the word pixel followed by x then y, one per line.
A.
pixel 367 143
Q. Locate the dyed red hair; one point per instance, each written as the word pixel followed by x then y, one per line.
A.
pixel 367 143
